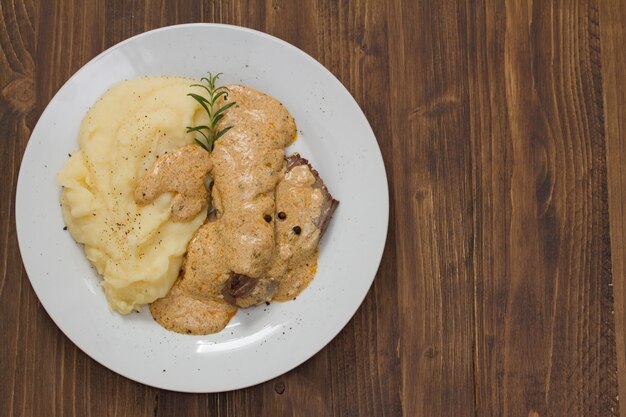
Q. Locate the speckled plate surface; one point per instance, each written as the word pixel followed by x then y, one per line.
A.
pixel 259 343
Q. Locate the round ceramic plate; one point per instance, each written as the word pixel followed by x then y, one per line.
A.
pixel 259 343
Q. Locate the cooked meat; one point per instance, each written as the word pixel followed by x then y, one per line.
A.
pixel 304 207
pixel 244 291
pixel 330 204
pixel 238 286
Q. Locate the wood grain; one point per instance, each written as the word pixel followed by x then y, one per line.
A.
pixel 613 39
pixel 544 326
pixel 431 167
pixel 500 124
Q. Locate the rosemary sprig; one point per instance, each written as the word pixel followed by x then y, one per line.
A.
pixel 209 132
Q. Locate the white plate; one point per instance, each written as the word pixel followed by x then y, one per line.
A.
pixel 259 343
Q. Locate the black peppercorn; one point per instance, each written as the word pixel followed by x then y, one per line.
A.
pixel 297 230
pixel 282 215
pixel 267 218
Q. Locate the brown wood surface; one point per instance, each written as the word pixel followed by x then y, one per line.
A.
pixel 502 287
pixel 613 39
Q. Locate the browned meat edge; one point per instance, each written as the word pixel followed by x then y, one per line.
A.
pixel 241 285
pixel 330 204
pixel 237 286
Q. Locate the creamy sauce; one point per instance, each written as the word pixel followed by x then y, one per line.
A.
pixel 265 216
pixel 297 278
pixel 295 257
pixel 182 172
pixel 183 313
pixel 248 162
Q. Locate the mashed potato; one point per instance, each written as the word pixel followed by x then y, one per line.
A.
pixel 137 249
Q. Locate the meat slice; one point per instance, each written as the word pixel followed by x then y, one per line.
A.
pixel 330 204
pixel 244 291
pixel 304 207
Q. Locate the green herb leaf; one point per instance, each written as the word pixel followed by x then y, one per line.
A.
pixel 210 133
pixel 218 95
pixel 221 132
pixel 203 101
pixel 202 144
pixel 223 109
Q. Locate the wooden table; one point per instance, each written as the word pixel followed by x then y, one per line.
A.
pixel 502 287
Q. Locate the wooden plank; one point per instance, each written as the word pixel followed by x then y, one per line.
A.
pixel 613 39
pixel 432 192
pixel 69 34
pixel 17 101
pixel 364 361
pixel 544 329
